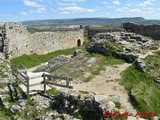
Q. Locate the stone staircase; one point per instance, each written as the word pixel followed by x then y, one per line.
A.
pixel 35 82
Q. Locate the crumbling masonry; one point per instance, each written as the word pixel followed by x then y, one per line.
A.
pixel 15 40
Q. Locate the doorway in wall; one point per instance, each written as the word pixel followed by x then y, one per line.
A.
pixel 78 43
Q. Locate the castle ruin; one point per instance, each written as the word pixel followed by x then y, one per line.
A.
pixel 15 40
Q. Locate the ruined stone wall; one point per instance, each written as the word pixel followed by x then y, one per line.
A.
pixel 45 42
pixel 20 41
pixel 152 31
pixel 93 31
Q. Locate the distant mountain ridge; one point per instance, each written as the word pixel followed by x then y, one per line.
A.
pixel 89 21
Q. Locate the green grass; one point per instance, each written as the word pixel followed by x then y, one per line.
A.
pixel 153 64
pixel 53 91
pixel 118 104
pixel 84 92
pixel 143 91
pixel 103 62
pixel 88 79
pixel 112 46
pixel 86 41
pixel 5 114
pixel 34 59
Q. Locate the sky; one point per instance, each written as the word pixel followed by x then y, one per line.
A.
pixel 24 10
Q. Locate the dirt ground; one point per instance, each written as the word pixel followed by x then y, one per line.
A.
pixel 107 83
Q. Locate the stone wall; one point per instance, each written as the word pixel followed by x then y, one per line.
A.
pixel 93 31
pixel 19 41
pixel 45 42
pixel 152 31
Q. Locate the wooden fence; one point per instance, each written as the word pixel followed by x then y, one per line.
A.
pixel 47 81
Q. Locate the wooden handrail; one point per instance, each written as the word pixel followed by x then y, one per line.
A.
pixel 55 77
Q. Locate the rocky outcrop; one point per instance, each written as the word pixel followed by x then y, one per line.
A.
pixel 141 64
pixel 53 63
pixel 124 45
pixel 88 106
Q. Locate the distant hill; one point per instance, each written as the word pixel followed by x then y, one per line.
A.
pixel 89 22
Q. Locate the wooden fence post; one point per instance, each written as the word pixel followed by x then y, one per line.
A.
pixel 67 82
pixel 44 82
pixel 27 79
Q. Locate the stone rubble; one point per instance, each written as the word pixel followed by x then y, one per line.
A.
pixel 133 46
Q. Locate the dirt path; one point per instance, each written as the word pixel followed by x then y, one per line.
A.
pixel 107 84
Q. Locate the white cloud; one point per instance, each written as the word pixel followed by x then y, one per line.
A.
pixel 66 4
pixel 23 13
pixel 39 8
pixel 75 9
pixel 135 10
pixel 72 0
pixel 65 12
pixel 32 4
pixel 128 10
pixel 146 3
pixel 116 2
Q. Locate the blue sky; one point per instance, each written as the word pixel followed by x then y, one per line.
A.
pixel 21 10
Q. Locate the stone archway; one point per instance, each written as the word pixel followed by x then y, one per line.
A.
pixel 78 43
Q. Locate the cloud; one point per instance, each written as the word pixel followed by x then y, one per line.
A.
pixel 39 8
pixel 72 0
pixel 136 10
pixel 32 4
pixel 128 10
pixel 65 12
pixel 66 4
pixel 75 9
pixel 116 2
pixel 23 13
pixel 146 3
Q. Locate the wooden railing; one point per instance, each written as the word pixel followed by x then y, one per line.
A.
pixel 21 75
pixel 49 77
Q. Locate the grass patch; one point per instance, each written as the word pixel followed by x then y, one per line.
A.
pixel 5 114
pixel 86 41
pixel 88 79
pixel 112 46
pixel 153 64
pixel 103 62
pixel 84 92
pixel 35 59
pixel 143 91
pixel 118 104
pixel 53 91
